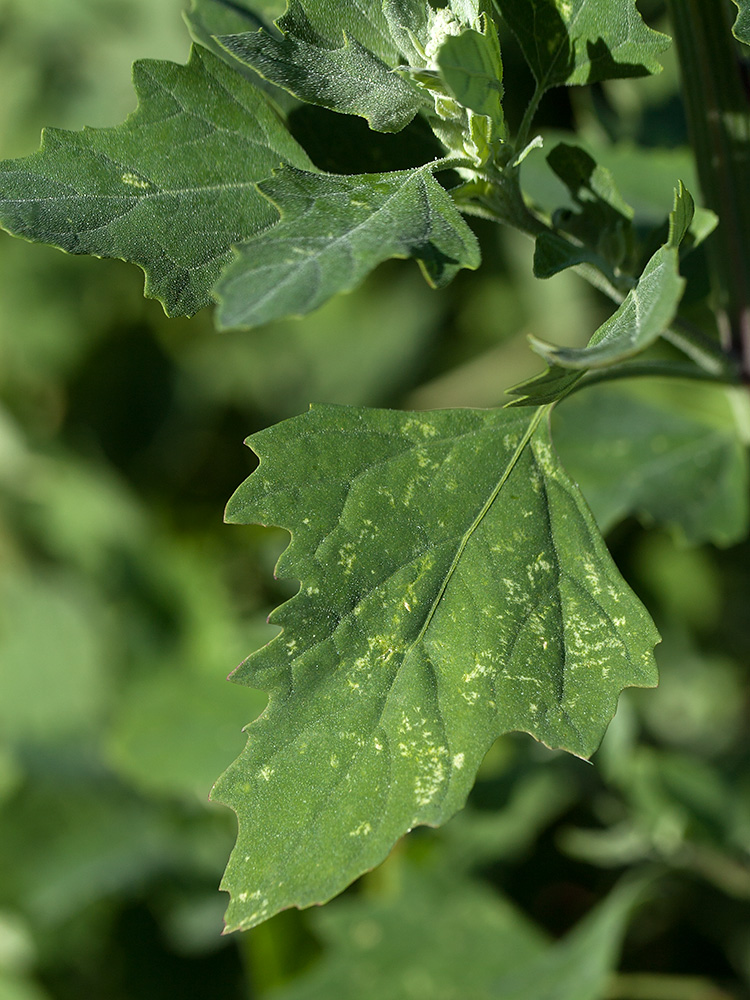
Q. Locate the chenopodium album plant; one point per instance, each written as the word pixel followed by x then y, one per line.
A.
pixel 454 584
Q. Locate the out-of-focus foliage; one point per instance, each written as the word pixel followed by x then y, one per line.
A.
pixel 124 602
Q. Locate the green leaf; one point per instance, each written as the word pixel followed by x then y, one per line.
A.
pixel 208 19
pixel 439 936
pixel 579 966
pixel 666 454
pixel 583 41
pixel 645 312
pixel 472 68
pixel 333 231
pixel 554 253
pixel 408 23
pixel 741 27
pixel 171 189
pixel 453 587
pixel 601 221
pixel 54 680
pixel 550 385
pixel 348 78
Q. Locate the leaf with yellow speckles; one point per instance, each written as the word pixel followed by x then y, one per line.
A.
pixel 454 587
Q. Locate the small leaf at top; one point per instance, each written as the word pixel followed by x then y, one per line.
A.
pixel 336 229
pixel 741 27
pixel 347 78
pixel 453 587
pixel 583 41
pixel 171 189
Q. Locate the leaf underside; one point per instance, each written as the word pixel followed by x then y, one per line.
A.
pixel 423 629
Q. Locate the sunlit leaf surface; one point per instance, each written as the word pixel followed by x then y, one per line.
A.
pixel 423 629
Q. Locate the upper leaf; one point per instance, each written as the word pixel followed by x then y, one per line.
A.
pixel 583 41
pixel 171 189
pixel 454 587
pixel 208 19
pixel 333 231
pixel 333 69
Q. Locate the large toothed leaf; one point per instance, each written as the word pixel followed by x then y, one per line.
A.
pixel 583 41
pixel 425 626
pixel 171 189
pixel 668 454
pixel 345 77
pixel 333 231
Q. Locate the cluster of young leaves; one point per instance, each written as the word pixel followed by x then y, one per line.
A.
pixel 454 583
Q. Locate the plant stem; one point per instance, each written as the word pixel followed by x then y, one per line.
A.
pixel 528 117
pixel 718 116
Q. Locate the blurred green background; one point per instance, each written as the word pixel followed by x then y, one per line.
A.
pixel 125 602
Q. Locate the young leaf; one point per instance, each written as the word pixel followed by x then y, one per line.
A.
pixel 347 78
pixel 550 385
pixel 453 587
pixel 408 23
pixel 645 312
pixel 333 231
pixel 583 41
pixel 616 441
pixel 171 189
pixel 472 68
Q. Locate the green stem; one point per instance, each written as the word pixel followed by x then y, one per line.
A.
pixel 702 350
pixel 657 369
pixel 719 122
pixel 528 118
